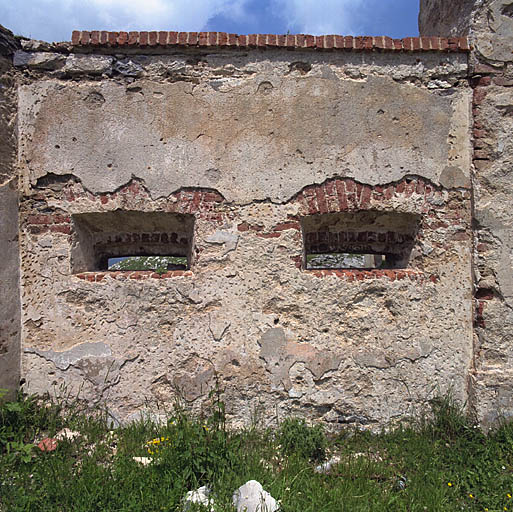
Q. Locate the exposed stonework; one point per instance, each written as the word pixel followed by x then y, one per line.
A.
pixel 449 18
pixel 491 31
pixel 10 328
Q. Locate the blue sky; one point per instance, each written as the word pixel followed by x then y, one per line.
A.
pixel 53 20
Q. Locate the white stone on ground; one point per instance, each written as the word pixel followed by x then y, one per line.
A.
pixel 251 497
pixel 325 467
pixel 67 434
pixel 200 496
pixel 143 460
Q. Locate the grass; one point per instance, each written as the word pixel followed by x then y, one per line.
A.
pixel 440 462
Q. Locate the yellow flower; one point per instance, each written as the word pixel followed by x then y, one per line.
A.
pixel 508 496
pixel 471 496
pixel 449 484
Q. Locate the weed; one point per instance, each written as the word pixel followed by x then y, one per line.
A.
pixel 297 438
pixel 407 468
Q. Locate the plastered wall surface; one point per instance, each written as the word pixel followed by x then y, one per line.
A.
pixel 249 143
pixel 10 326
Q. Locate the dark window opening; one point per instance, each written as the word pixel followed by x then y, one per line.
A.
pixel 129 240
pixel 360 240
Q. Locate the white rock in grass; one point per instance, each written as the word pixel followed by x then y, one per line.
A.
pixel 251 497
pixel 325 467
pixel 200 496
pixel 67 434
pixel 145 461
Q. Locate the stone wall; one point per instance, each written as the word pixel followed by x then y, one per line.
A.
pixel 250 143
pixel 448 18
pixel 491 72
pixel 10 334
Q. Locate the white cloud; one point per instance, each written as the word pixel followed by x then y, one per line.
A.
pixel 320 16
pixel 53 20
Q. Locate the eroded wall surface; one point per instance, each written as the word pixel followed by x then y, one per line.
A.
pixel 491 31
pixel 10 326
pixel 249 143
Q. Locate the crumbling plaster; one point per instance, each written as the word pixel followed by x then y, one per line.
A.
pixel 228 118
pixel 249 143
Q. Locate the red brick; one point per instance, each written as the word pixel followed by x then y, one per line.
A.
pixel 400 187
pixel 100 276
pixel 341 193
pixel 348 42
pixel 60 228
pixel 39 219
pixel 143 38
pixel 338 42
pixel 463 43
pixel 269 235
pixel 283 226
pixel 390 274
pixel 389 43
pixel 351 193
pixel 365 197
pixel 309 41
pixel 479 95
pixel 398 44
pixel 152 38
pixel 319 42
pixel 223 39
pixel 203 39
pixel 85 37
pixel 113 38
pixel 261 41
pixel 300 40
pixel 95 38
pixel 329 42
pixel 321 199
pixel 311 200
pixel 91 278
pixel 359 43
pixel 368 43
pixel 75 37
pixel 453 43
pixel 212 38
pixel 162 38
pixel 232 40
pixel 122 38
pixel 378 42
pixel 252 40
pixel 61 219
pixel 182 38
pixel 420 187
pixel 290 41
pixel 133 38
pixel 243 40
pixel 408 43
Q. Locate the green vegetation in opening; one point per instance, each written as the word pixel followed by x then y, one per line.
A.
pixel 158 264
pixel 345 260
pixel 438 462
